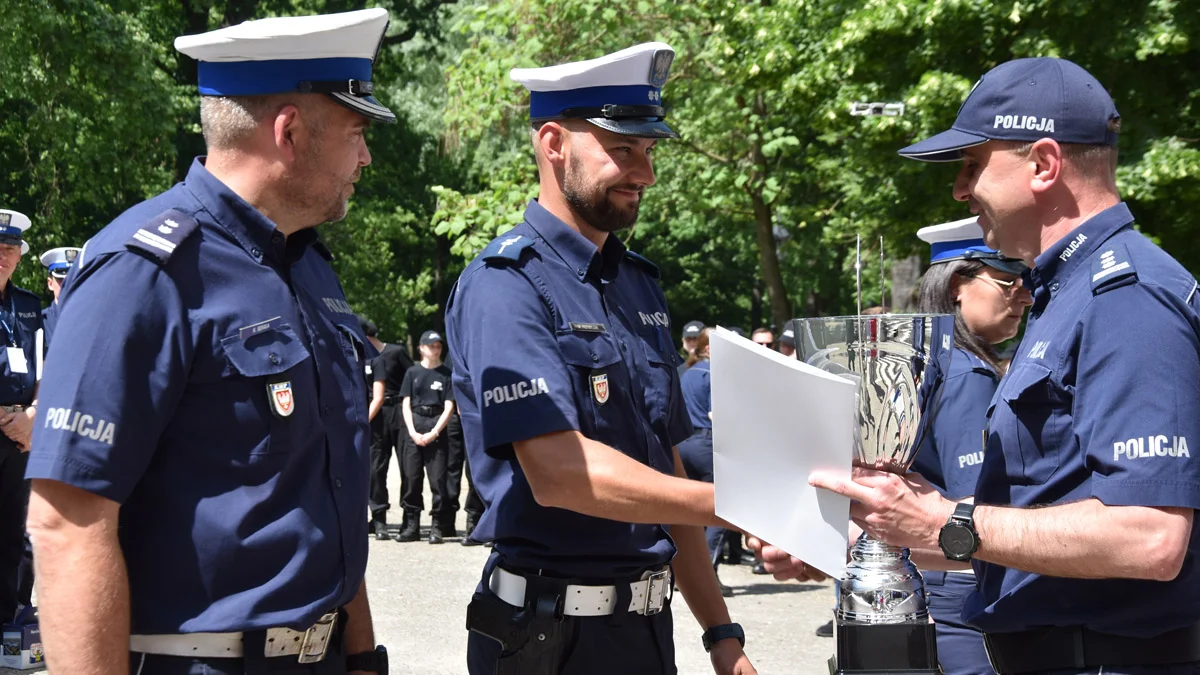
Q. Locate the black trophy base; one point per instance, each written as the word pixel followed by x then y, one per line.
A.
pixel 885 649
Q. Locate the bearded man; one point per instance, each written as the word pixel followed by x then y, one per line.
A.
pixel 565 373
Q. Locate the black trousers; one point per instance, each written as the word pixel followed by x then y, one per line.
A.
pixel 16 556
pixel 382 443
pixel 456 465
pixel 417 460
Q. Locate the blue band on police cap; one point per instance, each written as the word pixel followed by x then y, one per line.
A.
pixel 9 231
pixel 54 267
pixel 951 249
pixel 546 104
pixel 251 78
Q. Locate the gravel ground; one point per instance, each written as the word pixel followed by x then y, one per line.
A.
pixel 419 595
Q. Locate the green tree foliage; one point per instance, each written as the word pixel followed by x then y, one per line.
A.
pixel 757 208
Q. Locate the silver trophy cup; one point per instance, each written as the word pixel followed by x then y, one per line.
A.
pixel 899 362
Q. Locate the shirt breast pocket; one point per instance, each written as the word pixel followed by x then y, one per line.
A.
pixel 252 366
pixel 600 381
pixel 1031 424
pixel 657 387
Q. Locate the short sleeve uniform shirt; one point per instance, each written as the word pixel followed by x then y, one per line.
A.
pixel 211 384
pixel 552 334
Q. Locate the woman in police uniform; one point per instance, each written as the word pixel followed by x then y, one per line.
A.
pixel 984 292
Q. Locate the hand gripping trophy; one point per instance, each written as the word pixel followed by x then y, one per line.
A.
pixel 899 363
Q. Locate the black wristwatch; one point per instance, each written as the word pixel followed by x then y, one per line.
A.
pixel 958 538
pixel 723 632
pixel 372 662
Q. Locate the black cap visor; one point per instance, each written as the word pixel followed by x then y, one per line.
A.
pixel 367 106
pixel 641 127
pixel 1009 265
pixel 944 147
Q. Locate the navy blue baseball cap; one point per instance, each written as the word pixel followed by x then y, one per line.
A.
pixel 1027 100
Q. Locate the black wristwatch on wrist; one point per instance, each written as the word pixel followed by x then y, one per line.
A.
pixel 958 538
pixel 371 662
pixel 723 632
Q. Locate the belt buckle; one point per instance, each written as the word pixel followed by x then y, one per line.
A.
pixel 655 599
pixel 316 639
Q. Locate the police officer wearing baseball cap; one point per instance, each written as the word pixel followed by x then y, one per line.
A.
pixel 572 415
pixel 20 320
pixel 58 262
pixel 200 479
pixel 1081 533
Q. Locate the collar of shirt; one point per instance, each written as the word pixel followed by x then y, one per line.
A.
pixel 580 254
pixel 1055 265
pixel 253 231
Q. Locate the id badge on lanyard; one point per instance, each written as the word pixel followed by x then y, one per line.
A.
pixel 17 363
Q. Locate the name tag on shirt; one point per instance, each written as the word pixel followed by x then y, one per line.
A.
pixel 254 329
pixel 16 361
pixel 589 327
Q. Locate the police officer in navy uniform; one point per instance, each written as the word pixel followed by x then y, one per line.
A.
pixel 58 262
pixel 565 374
pixel 983 289
pixel 1081 533
pixel 200 468
pixel 20 320
pixel 427 403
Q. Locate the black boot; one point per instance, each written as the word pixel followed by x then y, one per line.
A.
pixel 410 529
pixel 445 526
pixel 379 525
pixel 467 539
pixel 435 536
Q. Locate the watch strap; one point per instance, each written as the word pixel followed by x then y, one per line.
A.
pixel 372 662
pixel 723 632
pixel 965 514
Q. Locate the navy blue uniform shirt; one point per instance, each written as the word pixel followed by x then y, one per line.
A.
pixel 49 323
pixel 550 334
pixel 211 384
pixel 952 453
pixel 696 383
pixel 1100 402
pixel 20 319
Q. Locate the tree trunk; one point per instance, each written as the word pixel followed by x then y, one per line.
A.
pixel 764 229
pixel 906 279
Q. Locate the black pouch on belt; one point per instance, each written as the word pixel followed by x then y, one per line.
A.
pixel 546 632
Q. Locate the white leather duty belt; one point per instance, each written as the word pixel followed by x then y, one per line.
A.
pixel 309 646
pixel 649 594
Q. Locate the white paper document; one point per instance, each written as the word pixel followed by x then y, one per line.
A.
pixel 775 421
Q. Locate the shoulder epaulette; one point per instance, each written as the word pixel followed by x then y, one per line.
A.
pixel 650 267
pixel 507 247
pixel 163 234
pixel 1112 268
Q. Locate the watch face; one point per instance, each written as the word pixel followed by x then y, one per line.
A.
pixel 956 540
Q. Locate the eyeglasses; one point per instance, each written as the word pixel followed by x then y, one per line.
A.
pixel 1006 288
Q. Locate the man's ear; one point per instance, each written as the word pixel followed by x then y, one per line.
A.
pixel 1046 161
pixel 552 139
pixel 285 129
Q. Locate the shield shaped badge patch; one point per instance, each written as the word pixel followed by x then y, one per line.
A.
pixel 600 388
pixel 280 396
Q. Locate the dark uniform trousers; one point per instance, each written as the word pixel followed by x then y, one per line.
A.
pixel 960 647
pixel 16 559
pixel 382 442
pixel 456 465
pixel 416 461
pixel 623 642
